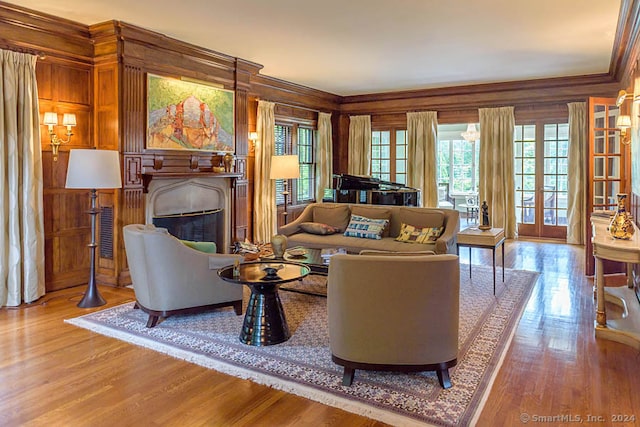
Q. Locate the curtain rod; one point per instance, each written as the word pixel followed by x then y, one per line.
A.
pixel 294 106
pixel 6 45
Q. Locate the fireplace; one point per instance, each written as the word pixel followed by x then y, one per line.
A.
pixel 192 209
pixel 196 226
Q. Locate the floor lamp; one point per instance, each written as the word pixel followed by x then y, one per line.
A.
pixel 285 167
pixel 93 170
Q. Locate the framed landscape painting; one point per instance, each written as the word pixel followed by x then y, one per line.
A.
pixel 183 115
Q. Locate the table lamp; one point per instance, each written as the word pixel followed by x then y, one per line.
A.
pixel 93 170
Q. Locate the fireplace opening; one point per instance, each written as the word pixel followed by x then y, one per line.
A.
pixel 204 226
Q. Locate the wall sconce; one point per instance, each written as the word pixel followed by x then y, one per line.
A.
pixel 623 122
pixel 623 96
pixel 51 120
pixel 253 137
pixel 471 134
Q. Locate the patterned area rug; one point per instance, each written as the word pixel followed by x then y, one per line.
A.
pixel 312 285
pixel 303 365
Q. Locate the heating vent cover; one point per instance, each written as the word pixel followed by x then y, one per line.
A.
pixel 106 232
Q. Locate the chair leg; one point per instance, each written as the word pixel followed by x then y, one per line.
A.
pixel 152 321
pixel 347 376
pixel 443 378
pixel 237 307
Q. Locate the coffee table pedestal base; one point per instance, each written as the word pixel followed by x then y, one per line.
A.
pixel 264 320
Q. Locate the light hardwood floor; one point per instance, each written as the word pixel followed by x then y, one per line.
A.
pixel 55 374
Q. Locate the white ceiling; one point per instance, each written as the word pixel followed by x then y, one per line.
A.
pixel 349 47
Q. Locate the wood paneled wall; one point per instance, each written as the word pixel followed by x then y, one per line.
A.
pixel 125 55
pixel 99 73
pixel 65 88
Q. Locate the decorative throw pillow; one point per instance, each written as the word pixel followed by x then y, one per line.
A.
pixel 367 228
pixel 373 213
pixel 411 234
pixel 206 247
pixel 317 228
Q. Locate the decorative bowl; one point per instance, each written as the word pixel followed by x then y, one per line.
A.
pixel 297 252
pixel 271 271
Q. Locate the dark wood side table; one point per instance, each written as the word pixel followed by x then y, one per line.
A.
pixel 264 321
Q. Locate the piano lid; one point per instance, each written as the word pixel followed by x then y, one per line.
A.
pixel 359 182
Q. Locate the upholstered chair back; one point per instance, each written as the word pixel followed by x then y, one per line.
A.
pixel 169 276
pixel 394 310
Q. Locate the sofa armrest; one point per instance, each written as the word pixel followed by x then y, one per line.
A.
pixel 294 227
pixel 446 243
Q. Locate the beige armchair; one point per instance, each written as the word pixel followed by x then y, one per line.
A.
pixel 170 278
pixel 394 313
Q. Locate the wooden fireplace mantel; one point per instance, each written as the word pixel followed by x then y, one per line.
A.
pixel 148 176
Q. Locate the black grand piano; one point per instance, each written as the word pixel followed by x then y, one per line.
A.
pixel 366 189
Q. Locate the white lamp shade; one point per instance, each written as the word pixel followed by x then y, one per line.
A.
pixel 623 122
pixel 285 167
pixel 69 119
pixel 93 169
pixel 50 118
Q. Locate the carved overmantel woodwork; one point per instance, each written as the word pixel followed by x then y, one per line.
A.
pixel 125 54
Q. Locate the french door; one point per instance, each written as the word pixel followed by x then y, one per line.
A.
pixel 608 170
pixel 541 168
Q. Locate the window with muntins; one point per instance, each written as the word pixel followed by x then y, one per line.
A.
pixel 457 159
pixel 389 155
pixel 541 168
pixel 292 139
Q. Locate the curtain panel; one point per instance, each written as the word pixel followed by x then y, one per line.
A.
pixel 359 145
pixel 496 167
pixel 21 199
pixel 422 137
pixel 576 219
pixel 324 155
pixel 264 200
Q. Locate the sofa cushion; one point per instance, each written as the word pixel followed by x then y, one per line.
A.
pixel 318 228
pixel 373 213
pixel 368 228
pixel 432 218
pixel 336 216
pixel 411 234
pixel 353 244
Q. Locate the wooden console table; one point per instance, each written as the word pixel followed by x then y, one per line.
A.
pixel 626 328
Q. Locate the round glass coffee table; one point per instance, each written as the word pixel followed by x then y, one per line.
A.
pixel 264 321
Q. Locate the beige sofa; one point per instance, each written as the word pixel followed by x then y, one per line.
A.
pixel 394 313
pixel 338 214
